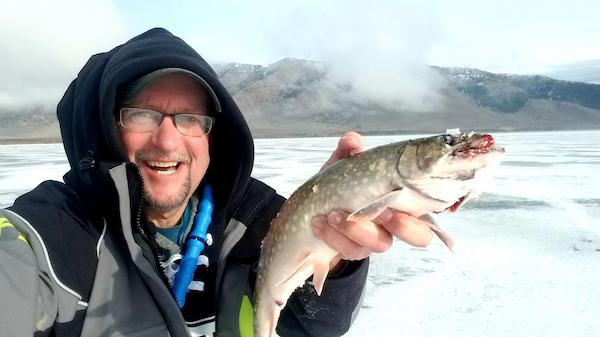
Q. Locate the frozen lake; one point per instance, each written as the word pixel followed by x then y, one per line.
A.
pixel 527 255
pixel 527 252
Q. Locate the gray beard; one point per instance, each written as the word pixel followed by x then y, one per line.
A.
pixel 177 202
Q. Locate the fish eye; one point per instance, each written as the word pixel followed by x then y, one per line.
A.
pixel 448 139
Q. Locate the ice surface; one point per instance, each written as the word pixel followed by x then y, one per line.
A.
pixel 22 167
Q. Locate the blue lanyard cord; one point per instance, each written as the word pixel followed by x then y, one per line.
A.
pixel 195 243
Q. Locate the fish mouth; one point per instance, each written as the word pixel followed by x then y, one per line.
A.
pixel 471 149
pixel 454 207
pixel 480 145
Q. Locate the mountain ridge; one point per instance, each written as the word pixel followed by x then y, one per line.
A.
pixel 295 98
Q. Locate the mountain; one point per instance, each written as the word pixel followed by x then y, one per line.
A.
pixel 294 97
pixel 29 124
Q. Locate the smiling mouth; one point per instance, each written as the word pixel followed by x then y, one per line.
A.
pixel 162 167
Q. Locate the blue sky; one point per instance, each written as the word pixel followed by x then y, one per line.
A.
pixel 45 43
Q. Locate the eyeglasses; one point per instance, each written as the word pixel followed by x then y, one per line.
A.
pixel 146 120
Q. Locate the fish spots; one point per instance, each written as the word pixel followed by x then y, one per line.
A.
pixel 381 167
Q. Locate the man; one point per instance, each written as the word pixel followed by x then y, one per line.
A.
pixel 147 127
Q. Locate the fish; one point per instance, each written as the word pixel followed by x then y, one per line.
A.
pixel 418 176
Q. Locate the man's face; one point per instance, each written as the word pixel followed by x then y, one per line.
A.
pixel 172 164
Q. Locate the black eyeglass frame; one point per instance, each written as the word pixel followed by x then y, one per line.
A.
pixel 208 121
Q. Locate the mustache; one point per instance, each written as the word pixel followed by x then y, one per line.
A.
pixel 144 155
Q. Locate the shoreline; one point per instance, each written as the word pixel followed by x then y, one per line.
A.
pixel 40 140
pixel 58 140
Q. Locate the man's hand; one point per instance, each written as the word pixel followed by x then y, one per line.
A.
pixel 356 241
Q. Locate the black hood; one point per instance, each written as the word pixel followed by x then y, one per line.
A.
pixel 89 129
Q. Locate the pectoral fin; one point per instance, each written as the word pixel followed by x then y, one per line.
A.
pixel 446 239
pixel 310 265
pixel 321 269
pixel 301 268
pixel 403 200
pixel 372 210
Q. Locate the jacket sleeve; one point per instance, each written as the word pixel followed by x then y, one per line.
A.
pixel 26 300
pixel 306 314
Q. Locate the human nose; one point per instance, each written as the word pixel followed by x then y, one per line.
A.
pixel 166 135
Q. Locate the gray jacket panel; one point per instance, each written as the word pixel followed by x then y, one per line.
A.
pixel 29 281
pixel 233 234
pixel 19 273
pixel 120 303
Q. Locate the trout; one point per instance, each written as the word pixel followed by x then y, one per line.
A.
pixel 417 177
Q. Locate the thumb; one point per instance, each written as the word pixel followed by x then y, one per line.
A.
pixel 349 145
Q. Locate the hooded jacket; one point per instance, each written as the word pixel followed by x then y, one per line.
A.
pixel 80 255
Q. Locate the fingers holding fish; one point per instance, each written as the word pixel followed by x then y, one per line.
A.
pixel 348 249
pixel 357 240
pixel 412 230
pixel 353 240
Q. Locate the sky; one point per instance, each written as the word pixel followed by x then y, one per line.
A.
pixel 45 43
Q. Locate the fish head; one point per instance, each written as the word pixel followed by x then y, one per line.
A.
pixel 452 167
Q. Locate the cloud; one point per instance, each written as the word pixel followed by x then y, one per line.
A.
pixel 513 36
pixel 380 47
pixel 47 42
